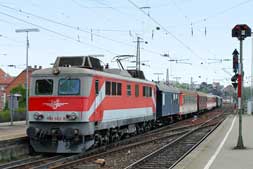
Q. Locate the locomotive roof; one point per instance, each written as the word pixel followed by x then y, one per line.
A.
pixel 166 88
pixel 83 71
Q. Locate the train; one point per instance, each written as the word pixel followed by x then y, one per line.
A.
pixel 79 104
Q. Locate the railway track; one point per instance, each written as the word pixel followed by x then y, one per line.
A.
pixel 11 142
pixel 30 162
pixel 12 149
pixel 150 141
pixel 127 153
pixel 170 154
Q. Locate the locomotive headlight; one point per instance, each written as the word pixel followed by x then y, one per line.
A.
pixel 71 116
pixel 56 71
pixel 38 116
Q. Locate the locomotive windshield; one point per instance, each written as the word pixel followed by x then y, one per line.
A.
pixel 69 87
pixel 44 87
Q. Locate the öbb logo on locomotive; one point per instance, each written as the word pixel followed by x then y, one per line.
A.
pixel 54 104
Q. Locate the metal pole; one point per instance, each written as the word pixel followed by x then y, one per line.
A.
pixel 167 76
pixel 27 76
pixel 138 54
pixel 11 108
pixel 27 67
pixel 251 88
pixel 240 99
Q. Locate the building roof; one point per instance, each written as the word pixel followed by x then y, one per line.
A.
pixel 20 79
pixel 5 78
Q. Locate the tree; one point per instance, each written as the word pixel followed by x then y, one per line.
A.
pixel 20 90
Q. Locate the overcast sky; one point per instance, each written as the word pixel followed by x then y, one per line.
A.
pixel 195 30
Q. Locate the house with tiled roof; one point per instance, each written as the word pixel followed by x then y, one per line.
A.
pixel 20 79
pixel 5 80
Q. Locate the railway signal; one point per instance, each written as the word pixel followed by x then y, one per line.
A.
pixel 235 60
pixel 240 31
pixel 234 80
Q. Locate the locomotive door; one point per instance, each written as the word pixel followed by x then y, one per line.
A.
pixel 98 100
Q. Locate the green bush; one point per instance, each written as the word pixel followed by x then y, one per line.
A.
pixel 20 90
pixel 20 112
pixel 4 116
pixel 18 115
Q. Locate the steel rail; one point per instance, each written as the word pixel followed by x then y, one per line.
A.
pixel 155 153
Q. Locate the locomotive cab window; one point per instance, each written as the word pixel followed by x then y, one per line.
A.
pixel 44 87
pixel 69 87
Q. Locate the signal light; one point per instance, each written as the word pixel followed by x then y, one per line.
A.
pixel 235 85
pixel 235 60
pixel 234 78
pixel 241 31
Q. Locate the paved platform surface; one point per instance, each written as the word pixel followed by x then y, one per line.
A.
pixel 217 151
pixel 10 132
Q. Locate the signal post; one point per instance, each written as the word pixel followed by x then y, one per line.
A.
pixel 241 32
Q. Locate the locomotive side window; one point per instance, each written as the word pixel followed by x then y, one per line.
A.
pixel 114 88
pixel 119 89
pixel 44 87
pixel 150 92
pixel 147 91
pixel 107 88
pixel 129 90
pixel 136 90
pixel 69 87
pixel 96 86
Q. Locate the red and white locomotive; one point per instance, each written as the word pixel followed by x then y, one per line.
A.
pixel 76 105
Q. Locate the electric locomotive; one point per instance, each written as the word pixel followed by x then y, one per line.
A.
pixel 78 104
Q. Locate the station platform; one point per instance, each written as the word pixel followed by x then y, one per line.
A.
pixel 218 150
pixel 7 132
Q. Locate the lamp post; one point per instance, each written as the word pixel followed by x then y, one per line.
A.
pixel 27 71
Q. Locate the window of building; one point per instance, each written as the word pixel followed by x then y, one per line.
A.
pixel 119 86
pixel 129 90
pixel 44 87
pixel 108 88
pixel 136 90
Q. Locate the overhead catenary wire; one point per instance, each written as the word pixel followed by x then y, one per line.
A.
pixel 221 12
pixel 75 38
pixel 57 33
pixel 165 29
pixel 76 28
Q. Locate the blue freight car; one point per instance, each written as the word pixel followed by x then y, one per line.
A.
pixel 167 101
